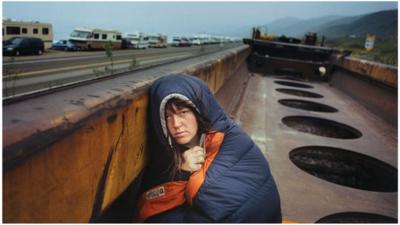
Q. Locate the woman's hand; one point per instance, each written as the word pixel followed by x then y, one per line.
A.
pixel 193 159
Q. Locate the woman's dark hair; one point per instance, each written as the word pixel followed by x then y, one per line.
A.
pixel 203 127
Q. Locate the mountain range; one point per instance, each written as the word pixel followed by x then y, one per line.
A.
pixel 383 24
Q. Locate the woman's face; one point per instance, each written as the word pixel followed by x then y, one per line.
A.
pixel 182 125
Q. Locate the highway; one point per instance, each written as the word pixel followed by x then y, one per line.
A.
pixel 30 74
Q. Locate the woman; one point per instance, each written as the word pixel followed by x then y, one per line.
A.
pixel 211 171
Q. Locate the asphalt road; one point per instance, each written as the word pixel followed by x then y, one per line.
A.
pixel 54 68
pixel 58 59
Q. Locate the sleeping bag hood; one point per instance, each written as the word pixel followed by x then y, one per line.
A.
pixel 238 185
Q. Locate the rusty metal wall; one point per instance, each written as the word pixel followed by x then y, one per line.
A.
pixel 385 74
pixel 68 156
pixel 372 84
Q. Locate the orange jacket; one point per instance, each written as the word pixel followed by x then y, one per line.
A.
pixel 172 194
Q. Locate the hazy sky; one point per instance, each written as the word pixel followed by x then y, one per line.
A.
pixel 177 17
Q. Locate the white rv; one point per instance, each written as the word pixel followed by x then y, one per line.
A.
pixel 137 40
pixel 13 28
pixel 86 38
pixel 158 41
pixel 195 41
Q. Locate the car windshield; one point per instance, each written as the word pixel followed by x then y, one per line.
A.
pixel 14 41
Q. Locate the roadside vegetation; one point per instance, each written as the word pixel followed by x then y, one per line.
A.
pixel 384 51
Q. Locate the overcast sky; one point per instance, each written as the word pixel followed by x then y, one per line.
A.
pixel 177 17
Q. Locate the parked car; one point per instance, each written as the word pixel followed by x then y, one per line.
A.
pixel 65 45
pixel 23 46
pixel 195 41
pixel 185 42
pixel 176 41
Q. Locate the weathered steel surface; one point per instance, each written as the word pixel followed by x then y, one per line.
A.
pixel 270 57
pixel 276 65
pixel 67 156
pixel 385 74
pixel 306 198
pixel 231 94
pixel 291 51
pixel 379 99
pixel 81 171
pixel 372 84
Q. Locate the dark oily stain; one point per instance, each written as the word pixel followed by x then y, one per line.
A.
pixel 94 96
pixel 124 102
pixel 39 108
pixel 15 120
pixel 137 109
pixel 111 118
pixel 96 209
pixel 90 129
pixel 129 101
pixel 98 201
pixel 140 152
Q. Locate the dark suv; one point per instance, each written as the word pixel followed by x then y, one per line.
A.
pixel 23 46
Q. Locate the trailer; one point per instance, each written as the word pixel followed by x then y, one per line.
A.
pixel 137 40
pixel 158 41
pixel 14 28
pixel 89 39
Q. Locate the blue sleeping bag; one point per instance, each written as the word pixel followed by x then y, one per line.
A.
pixel 239 186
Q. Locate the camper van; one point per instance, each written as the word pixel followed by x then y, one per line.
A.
pixel 136 40
pixel 43 31
pixel 88 39
pixel 158 41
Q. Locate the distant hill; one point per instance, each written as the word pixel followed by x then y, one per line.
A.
pixel 383 24
pixel 297 27
pixel 280 25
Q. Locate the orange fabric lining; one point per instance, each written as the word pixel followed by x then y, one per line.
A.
pixel 213 142
pixel 172 194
